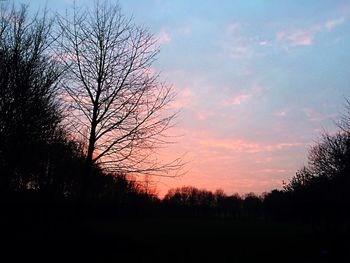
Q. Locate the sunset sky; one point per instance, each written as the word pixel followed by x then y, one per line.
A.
pixel 257 81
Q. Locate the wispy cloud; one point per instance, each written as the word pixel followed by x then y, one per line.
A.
pixel 301 38
pixel 282 113
pixel 184 98
pixel 305 36
pixel 238 52
pixel 243 96
pixel 64 57
pixel 164 37
pixel 149 71
pixel 312 115
pixel 297 38
pixel 237 100
pixel 234 27
pixel 244 146
pixel 334 23
pixel 238 43
pixel 265 43
pixel 204 115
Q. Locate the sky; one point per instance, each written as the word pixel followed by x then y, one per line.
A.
pixel 257 82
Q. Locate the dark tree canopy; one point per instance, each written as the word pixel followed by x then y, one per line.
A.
pixel 320 189
pixel 29 111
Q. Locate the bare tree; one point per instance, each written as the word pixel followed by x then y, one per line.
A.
pixel 328 159
pixel 119 106
pixel 344 123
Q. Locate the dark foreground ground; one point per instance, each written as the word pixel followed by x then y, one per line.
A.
pixel 168 239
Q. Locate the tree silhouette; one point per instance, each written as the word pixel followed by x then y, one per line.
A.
pixel 252 205
pixel 29 111
pixel 319 190
pixel 118 104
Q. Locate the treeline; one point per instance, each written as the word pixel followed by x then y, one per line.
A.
pixel 191 201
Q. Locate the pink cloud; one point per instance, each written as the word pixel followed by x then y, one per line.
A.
pixel 245 70
pixel 280 146
pixel 265 43
pixel 230 144
pixel 149 71
pixel 234 27
pixel 280 113
pixel 244 146
pixel 255 89
pixel 301 38
pixel 280 35
pixel 203 115
pixel 269 170
pixel 164 37
pixel 183 98
pixel 65 57
pixel 237 100
pixel 238 52
pixel 297 38
pixel 334 23
pixel 312 115
pixel 264 160
pixel 305 37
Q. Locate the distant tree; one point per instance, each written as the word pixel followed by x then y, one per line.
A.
pixel 193 201
pixel 227 205
pixel 276 205
pixel 344 123
pixel 64 166
pixel 329 160
pixel 29 112
pixel 233 204
pixel 252 205
pixel 190 196
pixel 119 106
pixel 301 179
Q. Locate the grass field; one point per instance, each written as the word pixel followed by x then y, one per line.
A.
pixel 178 240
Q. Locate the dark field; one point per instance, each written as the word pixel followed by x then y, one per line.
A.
pixel 173 240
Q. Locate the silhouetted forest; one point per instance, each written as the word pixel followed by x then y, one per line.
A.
pixel 42 170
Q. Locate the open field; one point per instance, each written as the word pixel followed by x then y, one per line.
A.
pixel 177 240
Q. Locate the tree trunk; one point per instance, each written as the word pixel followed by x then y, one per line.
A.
pixel 88 165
